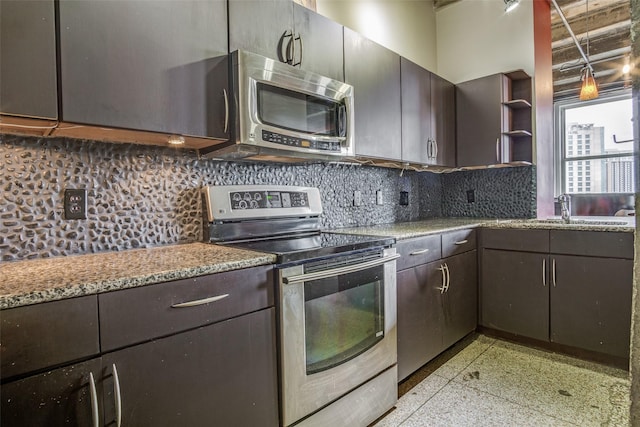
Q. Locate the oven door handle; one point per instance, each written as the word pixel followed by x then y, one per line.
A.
pixel 338 271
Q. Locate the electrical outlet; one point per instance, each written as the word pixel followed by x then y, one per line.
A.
pixel 471 196
pixel 379 200
pixel 75 203
pixel 404 198
pixel 357 198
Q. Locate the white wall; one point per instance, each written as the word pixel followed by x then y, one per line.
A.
pixel 407 27
pixel 476 38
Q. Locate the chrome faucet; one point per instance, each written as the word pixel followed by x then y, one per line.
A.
pixel 565 207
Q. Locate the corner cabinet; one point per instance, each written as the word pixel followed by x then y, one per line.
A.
pixel 567 287
pixel 437 296
pixel 28 59
pixel 287 32
pixel 494 120
pixel 428 116
pixel 160 362
pixel 145 65
pixel 374 72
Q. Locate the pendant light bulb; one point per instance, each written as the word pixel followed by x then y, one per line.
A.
pixel 589 89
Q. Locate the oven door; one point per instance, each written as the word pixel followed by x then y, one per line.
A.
pixel 337 329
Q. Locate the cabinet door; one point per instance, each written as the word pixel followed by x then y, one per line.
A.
pixel 460 300
pixel 515 293
pixel 479 121
pixel 55 398
pixel 419 317
pixel 28 58
pixel 443 120
pixel 374 72
pixel 222 374
pixel 145 65
pixel 417 145
pixel 591 303
pixel 319 49
pixel 264 27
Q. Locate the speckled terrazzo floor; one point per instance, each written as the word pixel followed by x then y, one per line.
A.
pixel 489 382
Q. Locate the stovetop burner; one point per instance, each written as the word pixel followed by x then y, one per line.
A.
pixel 293 249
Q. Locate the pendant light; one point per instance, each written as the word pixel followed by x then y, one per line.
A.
pixel 589 89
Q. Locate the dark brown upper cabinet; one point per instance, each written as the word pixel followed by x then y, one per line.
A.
pixel 374 72
pixel 428 116
pixel 494 120
pixel 287 32
pixel 28 59
pixel 145 65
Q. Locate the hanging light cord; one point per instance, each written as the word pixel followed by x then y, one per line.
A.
pixel 573 36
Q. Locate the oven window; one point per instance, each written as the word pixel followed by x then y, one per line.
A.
pixel 344 317
pixel 298 111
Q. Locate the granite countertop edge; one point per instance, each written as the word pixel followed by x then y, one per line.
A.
pixel 33 288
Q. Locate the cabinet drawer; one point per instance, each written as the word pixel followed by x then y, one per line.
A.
pixel 457 242
pixel 42 335
pixel 592 243
pixel 516 240
pixel 418 251
pixel 140 314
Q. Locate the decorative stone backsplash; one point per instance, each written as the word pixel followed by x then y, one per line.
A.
pixel 142 196
pixel 499 193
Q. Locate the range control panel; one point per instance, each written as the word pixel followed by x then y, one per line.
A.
pixel 268 199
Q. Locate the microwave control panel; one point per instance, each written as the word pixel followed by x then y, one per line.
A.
pixel 293 141
pixel 268 199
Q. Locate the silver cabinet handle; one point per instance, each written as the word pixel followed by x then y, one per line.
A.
pixel 544 272
pixel 226 110
pixel 448 276
pixel 419 252
pixel 498 150
pixel 553 272
pixel 94 401
pixel 461 242
pixel 118 397
pixel 199 301
pixel 443 270
pixel 286 48
pixel 435 148
pixel 299 63
pixel 428 148
pixel 337 271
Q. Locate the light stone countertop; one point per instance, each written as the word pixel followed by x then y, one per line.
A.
pixel 49 279
pixel 408 230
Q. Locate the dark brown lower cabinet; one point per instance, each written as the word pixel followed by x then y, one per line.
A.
pixel 578 301
pixel 515 293
pixel 437 306
pixel 221 374
pixel 460 300
pixel 591 303
pixel 55 398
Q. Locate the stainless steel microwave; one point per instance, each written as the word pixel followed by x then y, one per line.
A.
pixel 284 113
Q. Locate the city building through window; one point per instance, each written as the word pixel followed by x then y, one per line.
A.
pixel 594 151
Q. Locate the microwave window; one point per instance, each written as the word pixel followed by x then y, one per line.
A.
pixel 287 109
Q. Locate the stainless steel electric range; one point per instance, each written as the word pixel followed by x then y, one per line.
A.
pixel 336 302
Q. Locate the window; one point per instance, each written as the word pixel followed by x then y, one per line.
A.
pixel 595 136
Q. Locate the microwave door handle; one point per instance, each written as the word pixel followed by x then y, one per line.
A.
pixel 342 126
